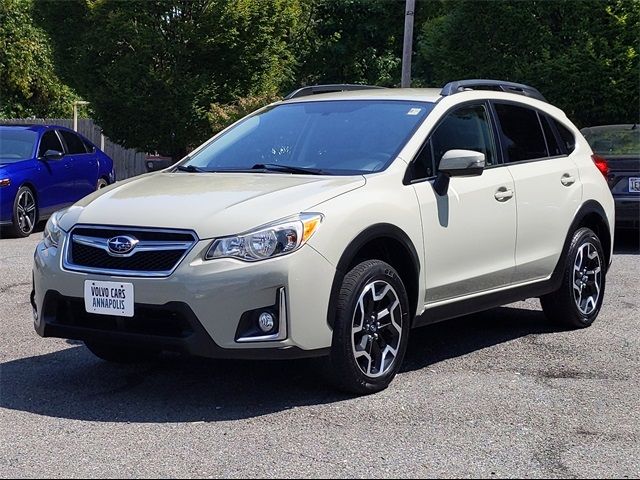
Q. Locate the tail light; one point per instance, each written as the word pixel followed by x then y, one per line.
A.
pixel 601 163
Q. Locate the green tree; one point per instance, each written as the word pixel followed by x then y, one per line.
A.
pixel 351 41
pixel 152 69
pixel 29 86
pixel 581 54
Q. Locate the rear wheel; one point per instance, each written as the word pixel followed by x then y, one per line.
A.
pixel 121 354
pixel 371 329
pixel 578 300
pixel 25 213
pixel 101 183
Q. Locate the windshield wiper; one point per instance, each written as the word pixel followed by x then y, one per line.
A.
pixel 276 167
pixel 190 169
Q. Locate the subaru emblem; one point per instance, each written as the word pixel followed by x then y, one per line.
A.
pixel 122 245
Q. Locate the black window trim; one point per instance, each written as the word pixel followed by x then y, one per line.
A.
pixel 538 112
pixel 407 180
pixel 55 132
pixel 64 143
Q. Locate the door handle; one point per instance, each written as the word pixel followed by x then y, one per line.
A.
pixel 503 194
pixel 567 180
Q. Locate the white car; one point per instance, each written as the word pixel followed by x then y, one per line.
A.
pixel 331 224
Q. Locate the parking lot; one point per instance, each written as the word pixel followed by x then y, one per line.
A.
pixel 501 393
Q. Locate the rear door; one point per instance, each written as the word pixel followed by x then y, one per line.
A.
pixel 84 164
pixel 547 185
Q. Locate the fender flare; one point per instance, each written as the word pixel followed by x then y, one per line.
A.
pixel 587 208
pixel 373 232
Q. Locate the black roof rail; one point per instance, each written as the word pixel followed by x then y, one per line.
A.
pixel 496 85
pixel 337 87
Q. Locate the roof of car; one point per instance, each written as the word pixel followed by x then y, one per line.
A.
pixel 28 126
pixel 411 94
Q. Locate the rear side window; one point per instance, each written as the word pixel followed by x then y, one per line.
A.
pixel 466 128
pixel 49 141
pixel 552 143
pixel 521 133
pixel 75 145
pixel 90 148
pixel 567 137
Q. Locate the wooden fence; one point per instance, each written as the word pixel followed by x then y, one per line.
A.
pixel 128 162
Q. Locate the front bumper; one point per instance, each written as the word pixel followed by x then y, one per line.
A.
pixel 627 212
pixel 198 308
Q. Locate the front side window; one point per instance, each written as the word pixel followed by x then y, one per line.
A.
pixel 49 141
pixel 16 145
pixel 340 137
pixel 467 128
pixel 75 146
pixel 521 133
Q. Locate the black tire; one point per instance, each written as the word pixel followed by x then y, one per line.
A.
pixel 101 183
pixel 121 354
pixel 24 222
pixel 561 306
pixel 344 371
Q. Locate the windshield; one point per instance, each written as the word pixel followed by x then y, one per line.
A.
pixel 16 145
pixel 342 137
pixel 614 139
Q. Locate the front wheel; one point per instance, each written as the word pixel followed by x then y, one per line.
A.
pixel 578 300
pixel 25 213
pixel 371 329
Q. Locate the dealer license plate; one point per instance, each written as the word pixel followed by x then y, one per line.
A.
pixel 634 184
pixel 108 298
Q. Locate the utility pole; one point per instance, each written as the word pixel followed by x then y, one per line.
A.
pixel 408 43
pixel 75 112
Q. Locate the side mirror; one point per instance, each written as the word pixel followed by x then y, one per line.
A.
pixel 458 163
pixel 53 155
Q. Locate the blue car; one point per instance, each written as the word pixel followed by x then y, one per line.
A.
pixel 45 168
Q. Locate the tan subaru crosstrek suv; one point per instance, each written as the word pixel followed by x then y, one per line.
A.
pixel 332 223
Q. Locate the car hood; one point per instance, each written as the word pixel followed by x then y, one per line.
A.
pixel 211 204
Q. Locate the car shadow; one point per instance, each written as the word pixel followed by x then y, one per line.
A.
pixel 73 384
pixel 627 242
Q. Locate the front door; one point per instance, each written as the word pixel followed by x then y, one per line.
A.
pixel 469 233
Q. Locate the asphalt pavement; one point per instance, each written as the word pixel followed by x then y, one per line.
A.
pixel 503 393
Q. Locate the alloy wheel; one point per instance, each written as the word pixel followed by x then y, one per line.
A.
pixel 376 328
pixel 26 212
pixel 587 278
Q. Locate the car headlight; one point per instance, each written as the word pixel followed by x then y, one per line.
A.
pixel 269 241
pixel 52 231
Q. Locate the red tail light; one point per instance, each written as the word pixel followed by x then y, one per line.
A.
pixel 601 163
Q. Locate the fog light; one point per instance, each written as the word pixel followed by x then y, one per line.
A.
pixel 266 321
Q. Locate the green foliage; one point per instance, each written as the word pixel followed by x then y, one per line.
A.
pixel 222 115
pixel 29 86
pixel 581 54
pixel 162 74
pixel 352 41
pixel 152 69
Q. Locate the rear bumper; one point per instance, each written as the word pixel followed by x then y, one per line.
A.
pixel 627 212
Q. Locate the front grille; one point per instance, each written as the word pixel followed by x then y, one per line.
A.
pixel 143 261
pixel 157 253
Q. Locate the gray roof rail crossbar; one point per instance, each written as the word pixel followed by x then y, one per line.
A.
pixel 338 87
pixel 496 85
